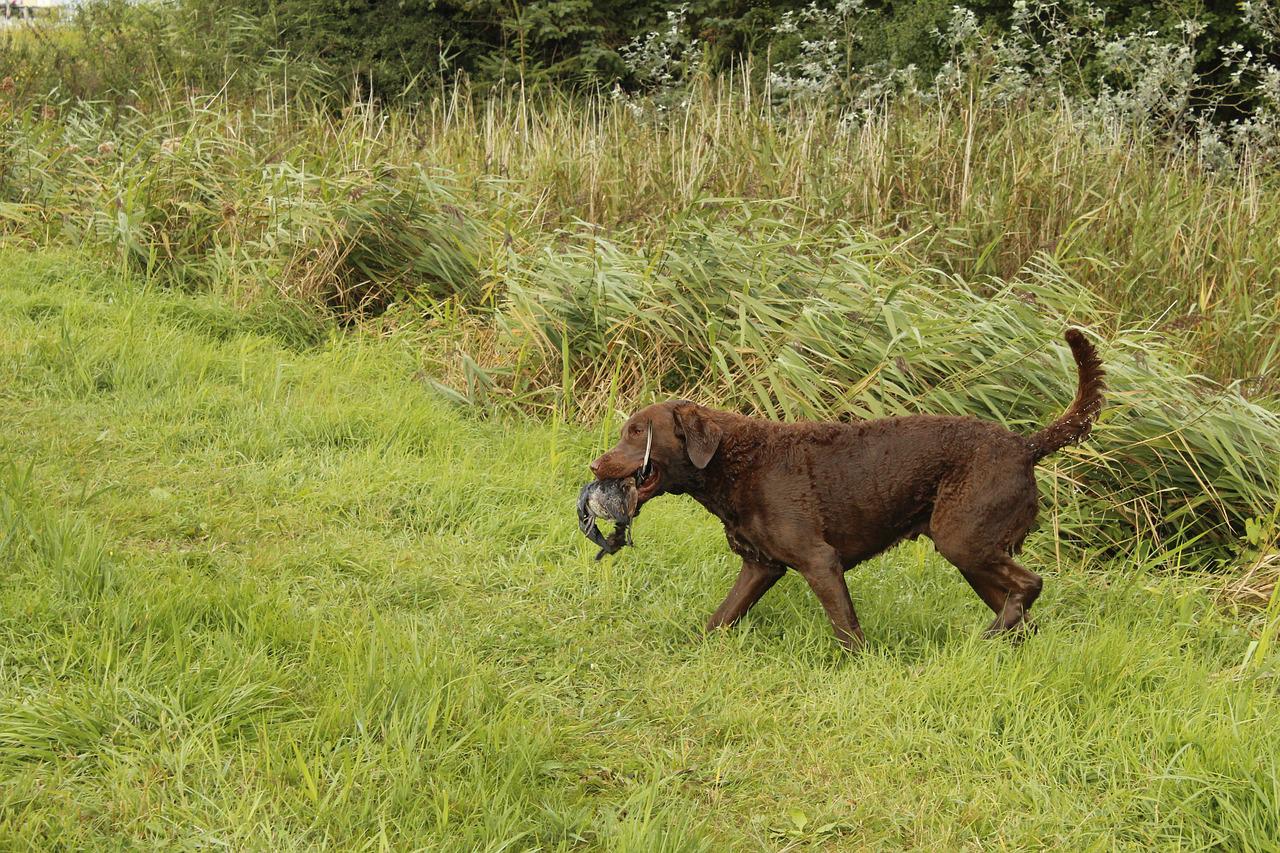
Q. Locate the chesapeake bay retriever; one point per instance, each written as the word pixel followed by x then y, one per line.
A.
pixel 822 497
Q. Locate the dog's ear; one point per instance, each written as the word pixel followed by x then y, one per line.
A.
pixel 701 435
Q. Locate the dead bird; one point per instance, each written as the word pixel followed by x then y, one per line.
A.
pixel 616 500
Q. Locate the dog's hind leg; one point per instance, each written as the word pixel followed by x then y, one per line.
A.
pixel 976 523
pixel 991 593
pixel 1008 588
pixel 753 581
pixel 1024 588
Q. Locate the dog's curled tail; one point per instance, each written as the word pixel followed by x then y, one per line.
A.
pixel 1077 420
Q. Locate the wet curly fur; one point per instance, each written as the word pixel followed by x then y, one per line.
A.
pixel 822 497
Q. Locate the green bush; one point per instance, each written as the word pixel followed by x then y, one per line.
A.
pixel 395 50
pixel 114 48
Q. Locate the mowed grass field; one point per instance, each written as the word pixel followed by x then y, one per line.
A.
pixel 263 588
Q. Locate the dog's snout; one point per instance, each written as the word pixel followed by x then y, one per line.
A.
pixel 611 465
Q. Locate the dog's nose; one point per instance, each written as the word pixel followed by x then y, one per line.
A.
pixel 595 466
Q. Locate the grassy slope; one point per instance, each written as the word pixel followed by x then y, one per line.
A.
pixel 275 596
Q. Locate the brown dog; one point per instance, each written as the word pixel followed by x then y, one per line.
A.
pixel 822 497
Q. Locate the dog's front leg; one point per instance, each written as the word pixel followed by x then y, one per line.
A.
pixel 825 576
pixel 753 581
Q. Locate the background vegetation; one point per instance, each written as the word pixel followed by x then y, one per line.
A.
pixel 397 49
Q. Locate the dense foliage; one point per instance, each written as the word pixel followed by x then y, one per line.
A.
pixel 397 46
pixel 403 49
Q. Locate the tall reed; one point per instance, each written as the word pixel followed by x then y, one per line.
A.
pixel 347 207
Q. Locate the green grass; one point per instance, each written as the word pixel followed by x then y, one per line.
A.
pixel 264 588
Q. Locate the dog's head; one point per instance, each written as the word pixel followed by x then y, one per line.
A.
pixel 666 444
